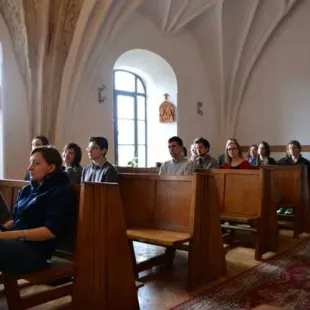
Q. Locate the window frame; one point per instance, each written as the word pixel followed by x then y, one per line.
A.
pixel 135 94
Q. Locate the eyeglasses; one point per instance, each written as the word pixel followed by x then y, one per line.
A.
pixel 93 148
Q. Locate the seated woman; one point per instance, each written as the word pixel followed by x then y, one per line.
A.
pixel 42 213
pixel 72 155
pixel 252 155
pixel 233 156
pixel 264 158
pixel 36 141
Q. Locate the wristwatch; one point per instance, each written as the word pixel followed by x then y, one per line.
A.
pixel 23 236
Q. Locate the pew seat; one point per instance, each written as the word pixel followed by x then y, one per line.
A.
pixel 158 236
pixel 56 270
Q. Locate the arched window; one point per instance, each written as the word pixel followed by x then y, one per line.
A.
pixel 130 121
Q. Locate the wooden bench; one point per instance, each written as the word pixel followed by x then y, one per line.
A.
pixel 65 270
pixel 289 187
pixel 170 211
pixel 243 200
pixel 152 170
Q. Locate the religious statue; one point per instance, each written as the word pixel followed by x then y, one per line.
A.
pixel 166 111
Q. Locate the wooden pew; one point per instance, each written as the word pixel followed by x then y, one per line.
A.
pixel 105 199
pixel 152 170
pixel 244 200
pixel 105 278
pixel 289 187
pixel 169 211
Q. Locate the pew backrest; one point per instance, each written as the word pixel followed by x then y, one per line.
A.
pixel 10 190
pixel 152 170
pixel 161 202
pixel 240 191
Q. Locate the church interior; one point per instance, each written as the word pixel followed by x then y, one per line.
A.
pixel 138 72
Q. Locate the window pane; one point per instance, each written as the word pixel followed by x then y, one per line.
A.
pixel 141 156
pixel 125 81
pixel 126 153
pixel 126 132
pixel 141 132
pixel 125 107
pixel 140 88
pixel 141 107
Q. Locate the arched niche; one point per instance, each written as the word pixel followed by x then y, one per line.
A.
pixel 159 78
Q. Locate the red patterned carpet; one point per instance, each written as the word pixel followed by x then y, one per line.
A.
pixel 283 281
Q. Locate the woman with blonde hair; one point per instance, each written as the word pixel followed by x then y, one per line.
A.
pixel 233 156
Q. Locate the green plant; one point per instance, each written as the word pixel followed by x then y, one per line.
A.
pixel 133 162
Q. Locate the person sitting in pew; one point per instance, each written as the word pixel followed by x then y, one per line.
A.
pixel 204 160
pixel 252 155
pixel 178 165
pixel 264 158
pixel 233 156
pixel 194 154
pixel 42 213
pixel 293 157
pixel 36 141
pixel 72 155
pixel 100 170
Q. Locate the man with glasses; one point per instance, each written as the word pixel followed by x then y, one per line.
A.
pixel 100 170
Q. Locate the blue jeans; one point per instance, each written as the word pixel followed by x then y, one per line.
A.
pixel 20 257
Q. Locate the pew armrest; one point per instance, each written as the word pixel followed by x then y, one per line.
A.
pixel 158 236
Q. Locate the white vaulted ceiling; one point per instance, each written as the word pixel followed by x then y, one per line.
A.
pixel 232 35
pixel 67 42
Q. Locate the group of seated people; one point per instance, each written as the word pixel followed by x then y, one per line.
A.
pixel 100 169
pixel 231 159
pixel 44 206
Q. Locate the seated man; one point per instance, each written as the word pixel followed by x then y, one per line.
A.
pixel 204 160
pixel 42 213
pixel 100 170
pixel 178 165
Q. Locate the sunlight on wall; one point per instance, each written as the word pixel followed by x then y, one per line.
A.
pixel 159 78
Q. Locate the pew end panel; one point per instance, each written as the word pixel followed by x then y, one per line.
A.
pixel 289 186
pixel 207 254
pixel 105 278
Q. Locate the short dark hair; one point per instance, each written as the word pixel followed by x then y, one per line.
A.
pixel 50 154
pixel 203 141
pixel 43 139
pixel 77 153
pixel 295 143
pixel 177 140
pixel 101 141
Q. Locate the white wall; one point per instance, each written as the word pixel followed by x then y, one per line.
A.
pixel 14 112
pixel 276 106
pixel 181 52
